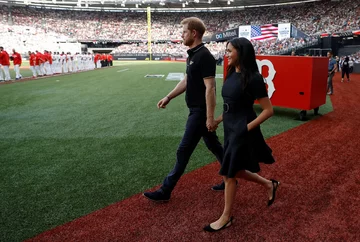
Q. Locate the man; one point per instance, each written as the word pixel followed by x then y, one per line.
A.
pixel 97 60
pixel 74 62
pixel 16 58
pixel 39 63
pixel 103 60
pixel 1 73
pixel 91 61
pixel 199 85
pixel 82 62
pixel 110 60
pixel 51 61
pixel 64 61
pixel 70 61
pixel 341 61
pixel 48 63
pixel 32 60
pixel 332 67
pixel 59 63
pixel 5 62
pixel 80 65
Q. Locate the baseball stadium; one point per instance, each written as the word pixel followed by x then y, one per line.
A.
pixel 121 120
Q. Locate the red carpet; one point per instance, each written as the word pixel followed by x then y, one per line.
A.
pixel 318 164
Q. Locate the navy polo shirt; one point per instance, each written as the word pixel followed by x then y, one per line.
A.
pixel 199 65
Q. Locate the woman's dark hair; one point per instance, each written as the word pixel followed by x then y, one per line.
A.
pixel 246 59
pixel 347 58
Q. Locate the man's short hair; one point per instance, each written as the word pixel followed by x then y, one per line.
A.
pixel 195 24
pixel 330 52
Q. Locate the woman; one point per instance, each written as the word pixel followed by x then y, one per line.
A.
pixel 345 69
pixel 244 145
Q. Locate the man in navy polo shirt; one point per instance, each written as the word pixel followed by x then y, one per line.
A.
pixel 199 85
pixel 332 67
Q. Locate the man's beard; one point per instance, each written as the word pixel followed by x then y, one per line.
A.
pixel 188 42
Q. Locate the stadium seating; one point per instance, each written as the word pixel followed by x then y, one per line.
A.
pixel 25 28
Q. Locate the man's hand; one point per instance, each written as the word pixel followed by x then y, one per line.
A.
pixel 163 102
pixel 211 124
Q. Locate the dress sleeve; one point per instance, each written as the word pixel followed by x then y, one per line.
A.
pixel 257 87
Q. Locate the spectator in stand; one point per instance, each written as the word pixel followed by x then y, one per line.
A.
pixel 133 26
pixel 52 25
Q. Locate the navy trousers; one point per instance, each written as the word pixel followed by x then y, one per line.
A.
pixel 195 129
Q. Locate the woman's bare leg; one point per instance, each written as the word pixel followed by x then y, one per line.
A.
pixel 254 177
pixel 230 191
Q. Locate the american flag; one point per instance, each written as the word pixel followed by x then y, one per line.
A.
pixel 264 32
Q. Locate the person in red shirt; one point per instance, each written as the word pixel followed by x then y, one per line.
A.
pixel 1 74
pixel 97 60
pixel 39 63
pixel 32 60
pixel 47 67
pixel 51 63
pixel 103 60
pixel 44 66
pixel 16 58
pixel 5 62
pixel 110 60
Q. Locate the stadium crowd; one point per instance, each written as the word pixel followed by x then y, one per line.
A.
pixel 25 28
pixel 355 57
pixel 270 47
pixel 311 18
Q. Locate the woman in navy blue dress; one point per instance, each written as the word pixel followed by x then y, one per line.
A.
pixel 244 144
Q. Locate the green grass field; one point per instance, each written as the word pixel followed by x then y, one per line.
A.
pixel 74 144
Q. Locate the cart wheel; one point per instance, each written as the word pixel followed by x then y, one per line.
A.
pixel 302 115
pixel 316 111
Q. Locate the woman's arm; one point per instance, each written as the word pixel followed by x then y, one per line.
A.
pixel 267 112
pixel 219 119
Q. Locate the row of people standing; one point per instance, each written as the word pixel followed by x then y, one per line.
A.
pixel 103 60
pixel 48 63
pixel 59 63
pixel 5 58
